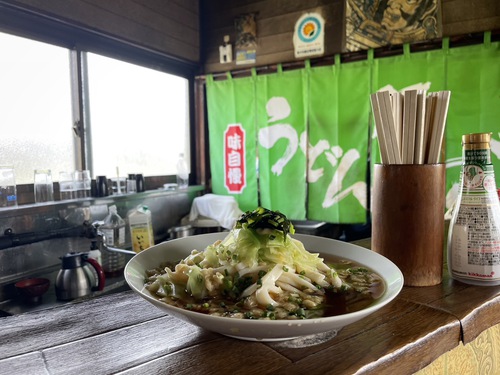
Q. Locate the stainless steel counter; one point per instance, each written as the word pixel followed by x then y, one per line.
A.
pixel 18 305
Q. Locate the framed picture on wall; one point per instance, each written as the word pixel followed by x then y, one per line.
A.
pixel 246 39
pixel 376 23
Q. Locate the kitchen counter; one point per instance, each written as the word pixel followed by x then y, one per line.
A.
pixel 123 333
pixel 48 300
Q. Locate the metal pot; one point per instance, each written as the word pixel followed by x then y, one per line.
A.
pixel 181 232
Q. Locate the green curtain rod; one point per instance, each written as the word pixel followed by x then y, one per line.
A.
pixel 385 51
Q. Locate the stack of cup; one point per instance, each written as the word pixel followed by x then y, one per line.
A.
pixel 101 186
pixel 8 192
pixel 44 188
pixel 67 188
pixel 83 183
pixel 131 183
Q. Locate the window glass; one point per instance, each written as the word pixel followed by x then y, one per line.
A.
pixel 139 118
pixel 35 108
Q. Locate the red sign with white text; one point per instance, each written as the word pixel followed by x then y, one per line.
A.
pixel 234 158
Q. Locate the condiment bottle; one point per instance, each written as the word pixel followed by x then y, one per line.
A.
pixel 141 228
pixel 113 229
pixel 474 236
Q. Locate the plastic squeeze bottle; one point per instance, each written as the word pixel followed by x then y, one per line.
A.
pixel 474 235
pixel 141 228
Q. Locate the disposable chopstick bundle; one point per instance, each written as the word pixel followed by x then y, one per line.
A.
pixel 393 148
pixel 380 129
pixel 438 124
pixel 410 125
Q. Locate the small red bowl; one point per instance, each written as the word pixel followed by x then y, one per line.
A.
pixel 32 289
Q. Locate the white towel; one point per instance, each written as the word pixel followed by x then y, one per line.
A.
pixel 221 208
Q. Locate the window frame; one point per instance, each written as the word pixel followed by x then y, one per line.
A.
pixel 79 40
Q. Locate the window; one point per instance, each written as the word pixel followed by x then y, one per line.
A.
pixel 136 118
pixel 35 107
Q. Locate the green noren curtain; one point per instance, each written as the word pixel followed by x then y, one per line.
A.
pixel 338 142
pixel 473 74
pixel 309 134
pixel 281 125
pixel 232 101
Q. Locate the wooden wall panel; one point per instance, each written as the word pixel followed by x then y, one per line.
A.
pixel 470 16
pixel 275 25
pixel 168 26
pixel 173 26
pixel 276 20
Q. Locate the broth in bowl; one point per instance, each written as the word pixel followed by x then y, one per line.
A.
pixel 359 289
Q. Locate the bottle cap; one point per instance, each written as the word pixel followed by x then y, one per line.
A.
pixel 476 138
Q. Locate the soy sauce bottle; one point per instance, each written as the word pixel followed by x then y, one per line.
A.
pixel 474 235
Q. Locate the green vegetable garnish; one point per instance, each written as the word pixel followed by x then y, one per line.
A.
pixel 262 218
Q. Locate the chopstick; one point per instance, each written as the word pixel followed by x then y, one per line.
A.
pixel 393 147
pixel 410 125
pixel 438 124
pixel 419 156
pixel 397 100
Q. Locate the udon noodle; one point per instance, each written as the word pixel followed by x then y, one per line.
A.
pixel 259 271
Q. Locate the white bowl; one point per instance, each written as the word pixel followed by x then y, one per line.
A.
pixel 264 330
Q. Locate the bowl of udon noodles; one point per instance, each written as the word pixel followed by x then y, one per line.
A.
pixel 262 282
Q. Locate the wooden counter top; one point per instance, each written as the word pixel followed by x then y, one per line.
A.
pixel 123 333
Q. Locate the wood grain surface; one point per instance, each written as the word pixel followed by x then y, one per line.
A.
pixel 122 333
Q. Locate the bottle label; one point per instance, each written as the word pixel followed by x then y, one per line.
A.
pixel 475 241
pixel 473 177
pixel 472 257
pixel 477 178
pixel 121 236
pixel 141 237
pixel 110 238
pixel 474 246
pixel 479 157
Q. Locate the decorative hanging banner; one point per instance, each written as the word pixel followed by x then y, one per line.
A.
pixel 281 121
pixel 338 143
pixel 309 35
pixel 234 159
pixel 232 137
